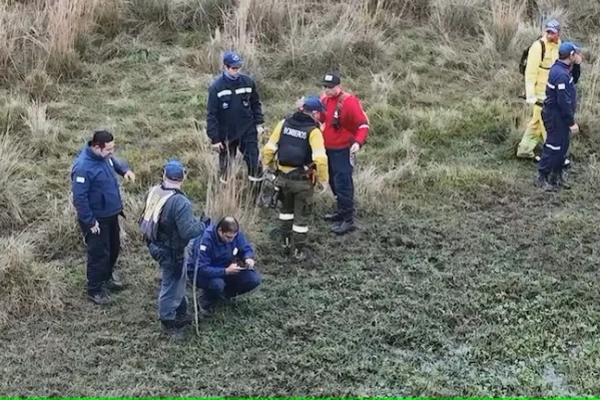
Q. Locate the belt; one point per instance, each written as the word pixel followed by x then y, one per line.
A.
pixel 294 175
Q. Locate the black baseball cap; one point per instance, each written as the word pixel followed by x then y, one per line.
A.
pixel 331 79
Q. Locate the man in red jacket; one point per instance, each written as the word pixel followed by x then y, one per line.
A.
pixel 345 130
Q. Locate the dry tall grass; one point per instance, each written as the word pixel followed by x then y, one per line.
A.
pixel 27 287
pixel 43 34
pixel 11 175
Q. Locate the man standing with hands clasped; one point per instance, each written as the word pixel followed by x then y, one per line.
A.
pixel 345 130
pixel 97 199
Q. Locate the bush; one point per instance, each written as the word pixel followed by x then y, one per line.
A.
pixel 176 15
pixel 456 17
pixel 26 286
pixel 11 182
pixel 42 34
pixel 501 25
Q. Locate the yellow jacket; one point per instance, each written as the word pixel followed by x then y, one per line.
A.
pixel 316 142
pixel 536 73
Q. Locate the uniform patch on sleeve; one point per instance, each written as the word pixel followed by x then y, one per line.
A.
pixel 561 86
pixel 202 247
pixel 80 179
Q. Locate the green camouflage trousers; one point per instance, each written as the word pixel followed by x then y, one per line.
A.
pixel 294 213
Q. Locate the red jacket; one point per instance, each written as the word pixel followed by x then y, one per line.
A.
pixel 354 123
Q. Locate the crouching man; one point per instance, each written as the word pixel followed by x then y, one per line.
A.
pixel 222 263
pixel 168 225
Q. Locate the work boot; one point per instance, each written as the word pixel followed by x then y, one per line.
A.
pixel 546 183
pixel 114 284
pixel 205 311
pixel 170 328
pixel 344 227
pixel 182 320
pixel 333 217
pixel 100 299
pixel 540 180
pixel 561 181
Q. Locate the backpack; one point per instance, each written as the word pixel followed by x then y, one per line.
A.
pixel 525 54
pixel 155 201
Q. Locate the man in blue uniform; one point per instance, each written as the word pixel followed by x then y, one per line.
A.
pixel 558 114
pixel 97 199
pixel 222 263
pixel 234 118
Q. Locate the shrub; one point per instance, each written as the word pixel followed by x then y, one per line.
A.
pixel 26 286
pixel 42 34
pixel 456 17
pixel 501 25
pixel 11 176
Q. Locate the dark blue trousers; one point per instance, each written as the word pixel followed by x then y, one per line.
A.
pixel 228 287
pixel 556 147
pixel 102 252
pixel 248 146
pixel 341 181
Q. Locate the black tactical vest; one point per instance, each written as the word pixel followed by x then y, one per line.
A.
pixel 294 146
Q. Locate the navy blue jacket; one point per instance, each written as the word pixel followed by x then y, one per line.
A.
pixel 95 187
pixel 233 108
pixel 211 255
pixel 561 94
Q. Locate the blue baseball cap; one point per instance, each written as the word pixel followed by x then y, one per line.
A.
pixel 567 48
pixel 174 170
pixel 232 59
pixel 312 103
pixel 553 26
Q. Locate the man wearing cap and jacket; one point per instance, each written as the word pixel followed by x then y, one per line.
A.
pixel 97 199
pixel 536 76
pixel 234 118
pixel 345 130
pixel 558 114
pixel 168 225
pixel 298 142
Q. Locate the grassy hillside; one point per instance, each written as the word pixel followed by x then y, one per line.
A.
pixel 463 278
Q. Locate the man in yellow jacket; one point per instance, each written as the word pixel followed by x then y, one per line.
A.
pixel 542 55
pixel 296 152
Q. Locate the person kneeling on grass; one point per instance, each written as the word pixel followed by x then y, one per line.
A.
pixel 222 263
